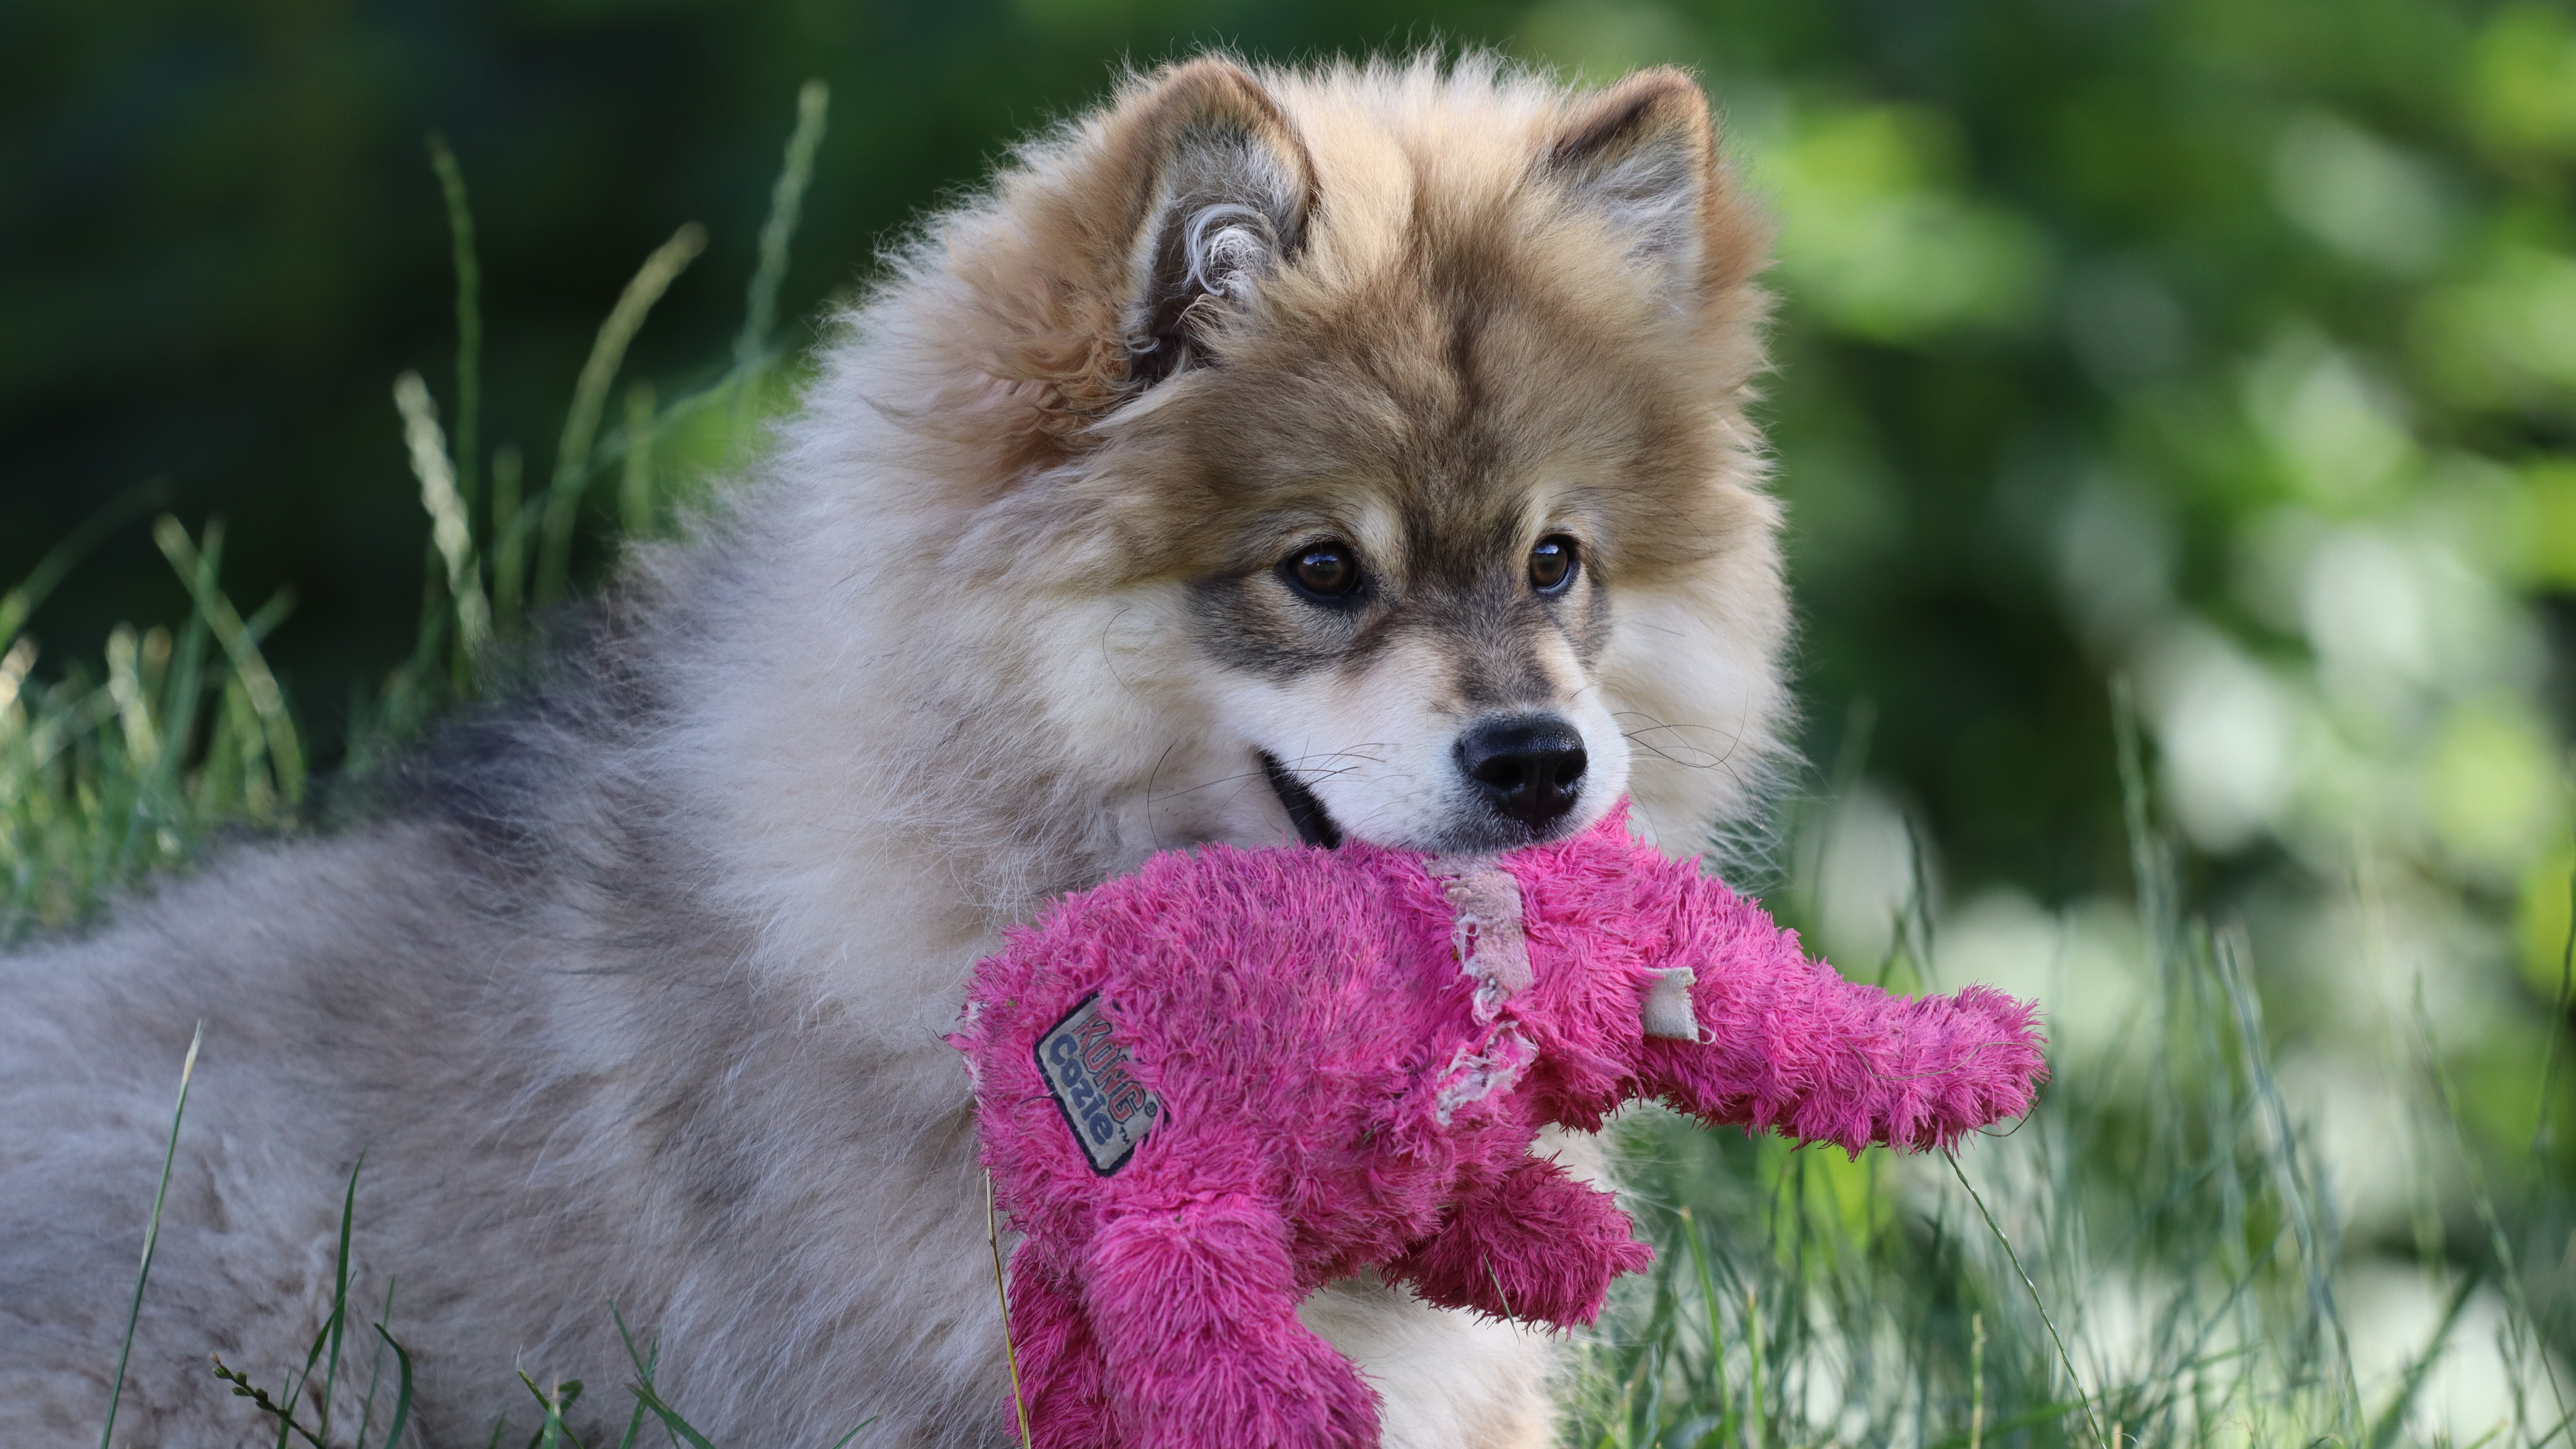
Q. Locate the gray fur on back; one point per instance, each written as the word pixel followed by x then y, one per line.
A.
pixel 572 1084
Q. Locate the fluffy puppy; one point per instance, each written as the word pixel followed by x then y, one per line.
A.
pixel 1344 454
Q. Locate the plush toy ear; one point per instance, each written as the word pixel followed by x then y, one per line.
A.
pixel 1643 154
pixel 1227 198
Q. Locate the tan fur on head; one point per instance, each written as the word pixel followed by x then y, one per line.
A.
pixel 1505 307
pixel 1476 303
pixel 1057 290
pixel 1050 264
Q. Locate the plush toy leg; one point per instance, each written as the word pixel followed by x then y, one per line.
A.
pixel 1540 1246
pixel 1060 1360
pixel 1197 1308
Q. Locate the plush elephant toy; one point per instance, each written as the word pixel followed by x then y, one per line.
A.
pixel 1211 1086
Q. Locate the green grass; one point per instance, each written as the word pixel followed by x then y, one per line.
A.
pixel 152 1238
pixel 2150 1257
pixel 2155 1256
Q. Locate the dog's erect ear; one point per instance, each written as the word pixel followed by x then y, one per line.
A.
pixel 1226 187
pixel 1644 152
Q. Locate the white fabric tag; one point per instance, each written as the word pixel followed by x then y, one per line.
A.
pixel 1667 1011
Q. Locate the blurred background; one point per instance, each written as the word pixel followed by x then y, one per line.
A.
pixel 2218 352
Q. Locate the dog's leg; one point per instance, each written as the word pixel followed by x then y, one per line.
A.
pixel 1446 1379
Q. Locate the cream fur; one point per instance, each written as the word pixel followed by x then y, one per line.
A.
pixel 636 991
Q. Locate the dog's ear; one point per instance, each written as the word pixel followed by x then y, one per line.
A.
pixel 1223 191
pixel 1644 154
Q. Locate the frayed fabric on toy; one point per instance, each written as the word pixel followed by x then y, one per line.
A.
pixel 1210 1087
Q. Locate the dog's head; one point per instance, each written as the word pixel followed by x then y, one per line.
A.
pixel 1396 417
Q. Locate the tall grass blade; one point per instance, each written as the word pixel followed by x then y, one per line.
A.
pixel 242 649
pixel 126 687
pixel 1977 1381
pixel 634 1427
pixel 156 800
pixel 469 315
pixel 402 1392
pixel 1759 1416
pixel 1002 1292
pixel 449 529
pixel 375 1371
pixel 590 395
pixel 553 1430
pixel 151 1235
pixel 2064 1359
pixel 670 1417
pixel 644 1363
pixel 635 485
pixel 303 1379
pixel 335 1326
pixel 777 231
pixel 1708 1299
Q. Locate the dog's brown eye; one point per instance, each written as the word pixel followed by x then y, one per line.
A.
pixel 1551 563
pixel 1324 571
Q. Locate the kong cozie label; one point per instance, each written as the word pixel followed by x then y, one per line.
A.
pixel 1086 1072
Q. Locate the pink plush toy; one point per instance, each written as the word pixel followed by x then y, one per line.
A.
pixel 1209 1087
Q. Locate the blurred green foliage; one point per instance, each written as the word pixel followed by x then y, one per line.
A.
pixel 2222 347
pixel 2091 307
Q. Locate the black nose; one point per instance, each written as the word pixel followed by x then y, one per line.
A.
pixel 1529 767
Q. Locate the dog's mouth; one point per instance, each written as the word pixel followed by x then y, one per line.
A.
pixel 1314 824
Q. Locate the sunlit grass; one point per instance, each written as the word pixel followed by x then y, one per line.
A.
pixel 2187 1274
pixel 107 776
pixel 2183 1260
